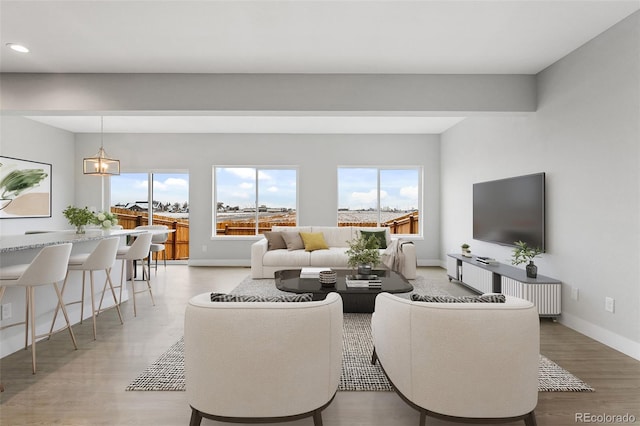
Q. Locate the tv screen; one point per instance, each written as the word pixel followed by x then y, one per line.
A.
pixel 510 210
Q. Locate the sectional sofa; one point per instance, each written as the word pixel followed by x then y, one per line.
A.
pixel 270 254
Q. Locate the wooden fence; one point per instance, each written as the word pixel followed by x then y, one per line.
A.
pixel 176 247
pixel 407 224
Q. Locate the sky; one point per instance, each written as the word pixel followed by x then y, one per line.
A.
pixel 236 186
pixel 167 188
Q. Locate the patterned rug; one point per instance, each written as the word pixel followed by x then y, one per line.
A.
pixel 167 373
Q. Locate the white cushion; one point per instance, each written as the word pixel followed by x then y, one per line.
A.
pixel 335 257
pixel 286 257
pixel 335 236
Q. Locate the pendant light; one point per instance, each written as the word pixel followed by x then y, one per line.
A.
pixel 100 164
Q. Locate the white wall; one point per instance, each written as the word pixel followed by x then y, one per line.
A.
pixel 28 140
pixel 585 135
pixel 316 157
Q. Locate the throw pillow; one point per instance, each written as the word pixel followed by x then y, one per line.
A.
pixel 292 240
pixel 222 297
pixel 313 241
pixel 275 241
pixel 381 236
pixel 485 298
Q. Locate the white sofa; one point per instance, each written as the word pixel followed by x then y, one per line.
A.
pixel 460 361
pixel 250 362
pixel 265 262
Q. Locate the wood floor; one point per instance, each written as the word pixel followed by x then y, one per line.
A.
pixel 86 387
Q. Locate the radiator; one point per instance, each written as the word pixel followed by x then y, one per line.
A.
pixel 546 297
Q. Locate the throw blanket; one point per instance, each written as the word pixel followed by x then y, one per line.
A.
pixel 393 258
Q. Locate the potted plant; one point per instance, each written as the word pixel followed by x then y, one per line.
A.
pixel 79 217
pixel 465 250
pixel 105 219
pixel 522 253
pixel 364 254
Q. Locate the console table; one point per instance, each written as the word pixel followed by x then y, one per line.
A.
pixel 544 292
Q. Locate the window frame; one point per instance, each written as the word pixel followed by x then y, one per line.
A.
pixel 378 169
pixel 257 169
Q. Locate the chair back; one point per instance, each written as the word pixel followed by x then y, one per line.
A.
pixel 139 249
pixel 460 359
pixel 103 256
pixel 49 266
pixel 158 238
pixel 284 358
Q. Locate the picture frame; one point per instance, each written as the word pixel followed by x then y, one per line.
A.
pixel 25 188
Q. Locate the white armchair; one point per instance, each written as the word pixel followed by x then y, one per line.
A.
pixel 254 362
pixel 463 362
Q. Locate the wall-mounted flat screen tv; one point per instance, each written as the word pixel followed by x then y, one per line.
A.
pixel 510 210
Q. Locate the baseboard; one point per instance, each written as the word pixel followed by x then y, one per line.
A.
pixel 220 262
pixel 606 337
pixel 430 262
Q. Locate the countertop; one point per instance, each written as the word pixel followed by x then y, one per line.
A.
pixel 12 243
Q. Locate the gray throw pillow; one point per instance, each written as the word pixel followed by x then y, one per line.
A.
pixel 293 240
pixel 222 297
pixel 275 241
pixel 485 298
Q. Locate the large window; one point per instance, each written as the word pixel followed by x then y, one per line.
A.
pixel 250 200
pixel 380 197
pixel 166 197
pixel 163 202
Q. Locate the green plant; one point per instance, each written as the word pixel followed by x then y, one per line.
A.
pixel 78 217
pixel 363 251
pixel 465 246
pixel 522 253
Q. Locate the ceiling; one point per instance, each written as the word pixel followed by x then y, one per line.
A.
pixel 269 36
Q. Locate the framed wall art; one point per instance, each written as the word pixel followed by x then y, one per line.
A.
pixel 25 188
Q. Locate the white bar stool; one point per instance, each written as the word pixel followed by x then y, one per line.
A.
pixel 48 267
pixel 137 251
pixel 157 242
pixel 101 258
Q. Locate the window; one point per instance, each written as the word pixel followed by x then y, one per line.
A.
pixel 250 200
pixel 388 197
pixel 169 192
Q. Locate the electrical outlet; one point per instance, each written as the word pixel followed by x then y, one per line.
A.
pixel 574 293
pixel 204 247
pixel 609 304
pixel 6 311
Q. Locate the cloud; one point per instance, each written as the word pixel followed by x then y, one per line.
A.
pixel 365 198
pixel 170 184
pixel 241 172
pixel 273 189
pixel 246 185
pixel 410 192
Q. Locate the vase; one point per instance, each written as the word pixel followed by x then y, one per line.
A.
pixel 365 269
pixel 532 270
pixel 80 229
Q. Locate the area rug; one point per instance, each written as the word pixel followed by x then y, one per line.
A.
pixel 167 373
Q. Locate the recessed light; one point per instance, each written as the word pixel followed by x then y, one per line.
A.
pixel 18 47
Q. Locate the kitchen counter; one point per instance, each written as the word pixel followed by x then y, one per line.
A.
pixel 11 243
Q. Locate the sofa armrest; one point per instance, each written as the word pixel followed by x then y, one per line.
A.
pixel 409 266
pixel 258 249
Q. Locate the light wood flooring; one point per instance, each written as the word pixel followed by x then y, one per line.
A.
pixel 86 387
